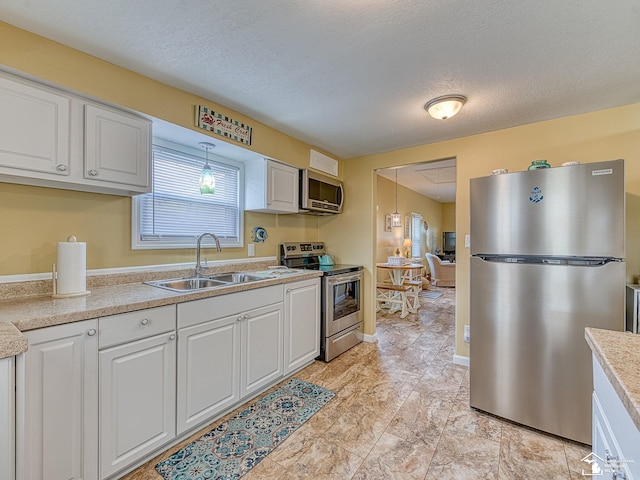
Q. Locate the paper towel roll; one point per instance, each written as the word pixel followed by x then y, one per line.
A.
pixel 71 267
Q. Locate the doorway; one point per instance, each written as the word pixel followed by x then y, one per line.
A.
pixel 424 196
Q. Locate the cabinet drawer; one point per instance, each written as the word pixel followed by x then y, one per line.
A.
pixel 198 311
pixel 131 326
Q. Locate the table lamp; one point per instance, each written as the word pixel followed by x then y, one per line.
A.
pixel 407 247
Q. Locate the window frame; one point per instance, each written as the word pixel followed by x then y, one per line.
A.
pixel 416 234
pixel 188 242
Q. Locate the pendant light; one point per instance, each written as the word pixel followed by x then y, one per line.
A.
pixel 207 180
pixel 396 218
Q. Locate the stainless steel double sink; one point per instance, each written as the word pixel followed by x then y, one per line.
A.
pixel 210 281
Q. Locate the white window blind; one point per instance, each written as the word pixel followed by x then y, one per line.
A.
pixel 416 235
pixel 175 212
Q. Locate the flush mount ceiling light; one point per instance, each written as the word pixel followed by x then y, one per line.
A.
pixel 396 217
pixel 445 107
pixel 207 180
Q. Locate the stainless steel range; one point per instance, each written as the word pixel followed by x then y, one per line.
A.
pixel 341 308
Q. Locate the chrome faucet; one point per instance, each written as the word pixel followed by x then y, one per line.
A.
pixel 198 266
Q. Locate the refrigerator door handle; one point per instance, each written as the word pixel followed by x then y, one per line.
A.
pixel 534 260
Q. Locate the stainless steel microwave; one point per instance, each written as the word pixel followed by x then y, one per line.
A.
pixel 319 194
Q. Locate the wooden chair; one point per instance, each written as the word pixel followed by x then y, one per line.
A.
pixel 394 295
pixel 415 287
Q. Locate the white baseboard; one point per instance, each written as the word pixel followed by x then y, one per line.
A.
pixel 460 360
pixel 369 338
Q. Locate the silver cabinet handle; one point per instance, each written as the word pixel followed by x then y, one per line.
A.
pixel 144 321
pixel 61 167
pixel 92 332
pixel 172 337
pixel 239 318
pixel 93 173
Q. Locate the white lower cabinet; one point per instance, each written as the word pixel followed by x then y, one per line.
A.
pixel 97 397
pixel 302 324
pixel 208 370
pixel 261 348
pixel 7 419
pixel 57 404
pixel 137 386
pixel 229 347
pixel 615 438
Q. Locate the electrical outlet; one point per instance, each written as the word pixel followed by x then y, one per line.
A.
pixel 251 250
pixel 467 334
pixel 467 241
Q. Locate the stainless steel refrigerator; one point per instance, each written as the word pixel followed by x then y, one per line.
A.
pixel 547 261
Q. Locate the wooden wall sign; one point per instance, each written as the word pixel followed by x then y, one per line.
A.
pixel 222 125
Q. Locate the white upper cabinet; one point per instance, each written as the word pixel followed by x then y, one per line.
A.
pixel 117 146
pixel 35 129
pixel 52 138
pixel 271 187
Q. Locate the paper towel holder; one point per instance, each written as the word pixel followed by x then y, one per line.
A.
pixel 70 239
pixel 64 295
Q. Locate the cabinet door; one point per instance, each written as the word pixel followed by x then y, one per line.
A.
pixel 117 147
pixel 7 418
pixel 615 439
pixel 302 324
pixel 35 129
pixel 57 404
pixel 137 400
pixel 208 370
pixel 282 187
pixel 262 359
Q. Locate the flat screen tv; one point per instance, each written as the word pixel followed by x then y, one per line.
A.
pixel 449 242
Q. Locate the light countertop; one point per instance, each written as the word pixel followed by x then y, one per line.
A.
pixel 619 355
pixel 21 314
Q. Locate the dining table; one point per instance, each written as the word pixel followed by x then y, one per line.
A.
pixel 405 281
pixel 399 273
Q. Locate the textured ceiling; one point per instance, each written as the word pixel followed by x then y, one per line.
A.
pixel 436 180
pixel 351 77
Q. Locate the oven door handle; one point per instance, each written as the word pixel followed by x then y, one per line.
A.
pixel 339 279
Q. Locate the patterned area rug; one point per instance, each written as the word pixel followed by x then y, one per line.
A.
pixel 234 447
pixel 430 294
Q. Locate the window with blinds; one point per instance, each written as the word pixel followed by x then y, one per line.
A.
pixel 175 213
pixel 416 233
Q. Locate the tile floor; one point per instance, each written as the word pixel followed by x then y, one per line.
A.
pixel 402 412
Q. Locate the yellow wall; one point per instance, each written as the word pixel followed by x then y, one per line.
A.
pixel 603 135
pixel 448 217
pixel 408 202
pixel 34 219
